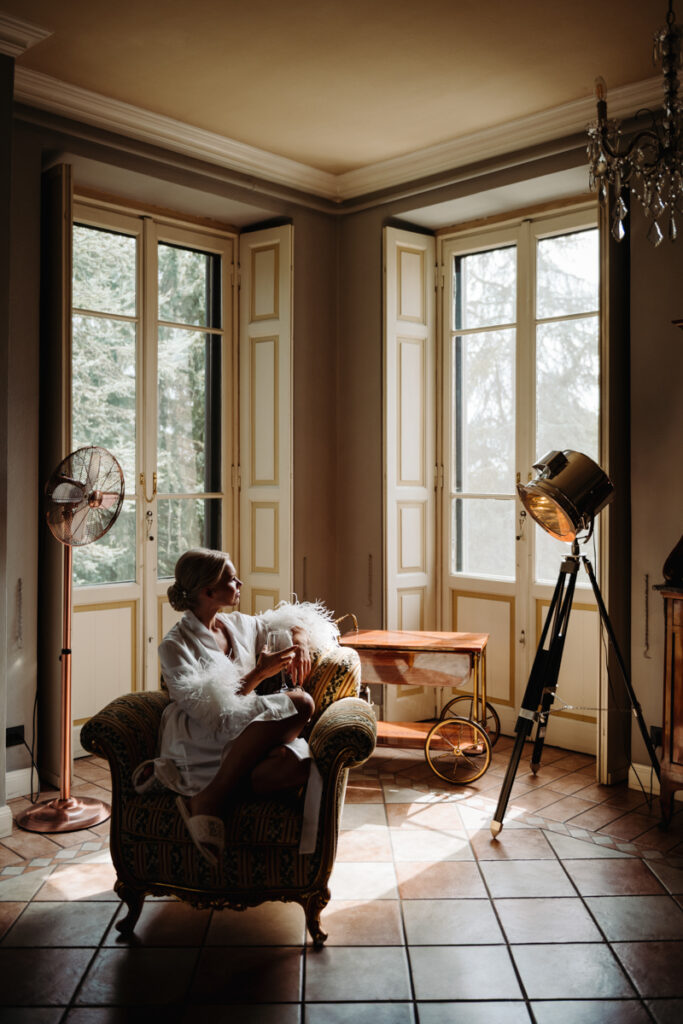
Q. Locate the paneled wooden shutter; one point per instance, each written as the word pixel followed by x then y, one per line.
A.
pixel 410 346
pixel 265 562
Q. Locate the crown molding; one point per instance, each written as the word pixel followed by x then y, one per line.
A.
pixel 556 123
pixel 17 36
pixel 47 93
pixel 51 94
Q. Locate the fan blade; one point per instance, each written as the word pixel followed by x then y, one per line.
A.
pixel 109 499
pixel 68 492
pixel 93 470
pixel 78 526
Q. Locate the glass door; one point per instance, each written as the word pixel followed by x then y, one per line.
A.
pixel 521 377
pixel 566 383
pixel 151 378
pixel 189 452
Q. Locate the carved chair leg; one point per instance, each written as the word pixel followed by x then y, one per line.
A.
pixel 313 908
pixel 133 898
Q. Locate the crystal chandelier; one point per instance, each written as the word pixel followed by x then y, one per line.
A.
pixel 651 164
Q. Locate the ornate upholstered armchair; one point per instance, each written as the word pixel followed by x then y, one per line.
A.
pixel 150 846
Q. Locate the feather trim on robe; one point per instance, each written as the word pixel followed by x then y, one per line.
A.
pixel 312 616
pixel 212 694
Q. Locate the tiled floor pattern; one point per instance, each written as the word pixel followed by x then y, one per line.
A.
pixel 575 914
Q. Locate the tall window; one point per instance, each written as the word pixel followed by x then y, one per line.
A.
pixel 104 359
pixel 152 380
pixel 147 383
pixel 521 378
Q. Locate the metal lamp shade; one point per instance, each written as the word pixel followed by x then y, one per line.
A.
pixel 567 494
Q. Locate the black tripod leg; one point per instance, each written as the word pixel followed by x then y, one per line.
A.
pixel 542 679
pixel 555 650
pixel 622 666
pixel 497 822
pixel 542 672
pixel 540 731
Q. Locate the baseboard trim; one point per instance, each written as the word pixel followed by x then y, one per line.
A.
pixel 18 783
pixel 5 821
pixel 648 780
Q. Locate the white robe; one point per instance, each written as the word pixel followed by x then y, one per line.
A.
pixel 207 710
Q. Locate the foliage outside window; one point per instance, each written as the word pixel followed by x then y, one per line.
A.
pixel 561 274
pixel 111 396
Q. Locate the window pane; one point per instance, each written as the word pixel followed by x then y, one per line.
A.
pixel 189 286
pixel 111 559
pixel 485 289
pixel 550 552
pixel 567 386
pixel 103 388
pixel 189 456
pixel 185 523
pixel 483 537
pixel 484 429
pixel 104 269
pixel 568 274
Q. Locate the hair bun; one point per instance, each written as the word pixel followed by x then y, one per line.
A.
pixel 178 597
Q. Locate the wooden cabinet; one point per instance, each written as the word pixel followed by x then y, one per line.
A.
pixel 672 737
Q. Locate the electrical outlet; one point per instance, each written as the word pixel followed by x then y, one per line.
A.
pixel 656 735
pixel 14 736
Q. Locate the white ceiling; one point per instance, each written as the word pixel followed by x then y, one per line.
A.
pixel 338 97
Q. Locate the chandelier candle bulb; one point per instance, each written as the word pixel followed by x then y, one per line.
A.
pixel 650 165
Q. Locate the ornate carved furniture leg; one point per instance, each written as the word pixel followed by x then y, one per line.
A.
pixel 313 908
pixel 133 898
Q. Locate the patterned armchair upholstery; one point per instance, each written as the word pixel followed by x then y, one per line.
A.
pixel 150 846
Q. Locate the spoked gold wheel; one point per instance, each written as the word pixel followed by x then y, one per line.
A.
pixel 458 750
pixel 463 707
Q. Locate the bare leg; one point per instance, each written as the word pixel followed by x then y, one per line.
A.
pixel 281 769
pixel 251 747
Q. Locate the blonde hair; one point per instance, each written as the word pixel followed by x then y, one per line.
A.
pixel 196 569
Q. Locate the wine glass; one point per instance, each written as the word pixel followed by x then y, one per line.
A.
pixel 280 640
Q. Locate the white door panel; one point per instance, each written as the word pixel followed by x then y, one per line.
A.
pixel 494 614
pixel 409 355
pixel 265 559
pixel 575 727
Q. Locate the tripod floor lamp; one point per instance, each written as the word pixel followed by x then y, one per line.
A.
pixel 564 498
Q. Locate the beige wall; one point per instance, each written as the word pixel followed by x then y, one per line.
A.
pixel 656 450
pixel 6 79
pixel 315 429
pixel 359 419
pixel 23 411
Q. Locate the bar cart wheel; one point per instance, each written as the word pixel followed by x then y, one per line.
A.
pixel 463 707
pixel 458 750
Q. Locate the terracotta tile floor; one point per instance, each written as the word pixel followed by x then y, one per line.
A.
pixel 575 914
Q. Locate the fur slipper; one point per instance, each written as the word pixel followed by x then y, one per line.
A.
pixel 205 831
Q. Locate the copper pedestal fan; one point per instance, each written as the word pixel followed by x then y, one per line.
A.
pixel 83 498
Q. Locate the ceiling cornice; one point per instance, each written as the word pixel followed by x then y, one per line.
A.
pixel 47 93
pixel 560 122
pixel 17 36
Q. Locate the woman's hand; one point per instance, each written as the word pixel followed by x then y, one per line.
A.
pixel 301 663
pixel 272 662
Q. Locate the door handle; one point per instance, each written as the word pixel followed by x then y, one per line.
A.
pixel 144 489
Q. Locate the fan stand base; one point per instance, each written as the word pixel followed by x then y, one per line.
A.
pixel 64 815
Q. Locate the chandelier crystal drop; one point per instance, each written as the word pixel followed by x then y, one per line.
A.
pixel 650 165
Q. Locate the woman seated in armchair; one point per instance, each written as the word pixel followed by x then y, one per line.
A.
pixel 219 732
